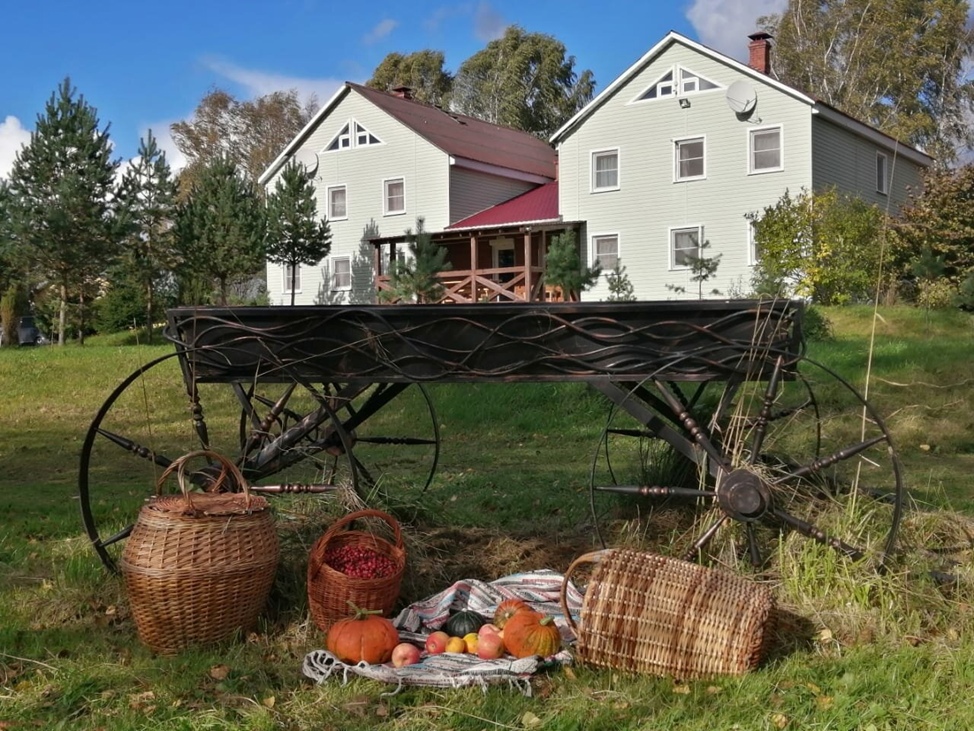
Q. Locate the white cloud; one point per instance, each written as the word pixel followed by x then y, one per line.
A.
pixel 12 137
pixel 724 25
pixel 489 24
pixel 380 31
pixel 261 83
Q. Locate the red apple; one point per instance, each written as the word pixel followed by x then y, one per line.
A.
pixel 490 646
pixel 436 642
pixel 405 654
pixel 488 629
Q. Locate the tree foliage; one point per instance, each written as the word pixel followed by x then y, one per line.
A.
pixel 899 65
pixel 563 267
pixel 249 133
pixel 295 234
pixel 421 71
pixel 417 277
pixel 522 80
pixel 220 232
pixel 825 246
pixel 61 201
pixel 148 197
pixel 619 285
pixel 702 268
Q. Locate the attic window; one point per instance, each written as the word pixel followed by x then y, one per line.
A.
pixel 691 82
pixel 679 81
pixel 352 135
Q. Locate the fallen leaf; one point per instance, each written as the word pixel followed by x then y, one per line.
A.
pixel 569 673
pixel 779 720
pixel 925 447
pixel 529 720
pixel 713 689
pixel 825 635
pixel 824 702
pixel 269 701
pixel 814 688
pixel 681 688
pixel 219 672
pixel 382 711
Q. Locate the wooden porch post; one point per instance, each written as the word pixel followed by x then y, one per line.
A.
pixel 473 267
pixel 527 264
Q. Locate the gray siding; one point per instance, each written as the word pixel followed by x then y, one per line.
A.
pixel 472 191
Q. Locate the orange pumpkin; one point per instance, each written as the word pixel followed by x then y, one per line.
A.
pixel 507 609
pixel 531 633
pixel 366 635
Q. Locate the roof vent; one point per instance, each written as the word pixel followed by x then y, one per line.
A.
pixel 403 92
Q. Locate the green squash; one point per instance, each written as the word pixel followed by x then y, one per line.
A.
pixel 464 622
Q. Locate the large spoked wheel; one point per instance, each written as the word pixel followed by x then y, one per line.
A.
pixel 296 438
pixel 723 474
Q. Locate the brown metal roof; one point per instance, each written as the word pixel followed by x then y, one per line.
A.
pixel 466 137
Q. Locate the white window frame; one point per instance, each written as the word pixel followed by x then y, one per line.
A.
pixel 751 168
pixel 677 145
pixel 335 286
pixel 673 231
pixel 882 183
pixel 595 238
pixel 286 289
pixel 596 154
pixel 752 244
pixel 329 203
pixel 386 210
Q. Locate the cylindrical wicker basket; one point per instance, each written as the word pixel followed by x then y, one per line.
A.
pixel 654 614
pixel 330 591
pixel 198 567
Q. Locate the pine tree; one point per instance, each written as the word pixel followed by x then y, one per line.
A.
pixel 418 276
pixel 295 234
pixel 220 232
pixel 563 267
pixel 62 189
pixel 148 199
pixel 619 284
pixel 701 269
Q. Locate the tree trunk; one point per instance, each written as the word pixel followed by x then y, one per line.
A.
pixel 148 312
pixel 63 314
pixel 81 315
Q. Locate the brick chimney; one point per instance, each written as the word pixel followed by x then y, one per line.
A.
pixel 760 52
pixel 403 92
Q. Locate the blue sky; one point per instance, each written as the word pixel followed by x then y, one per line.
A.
pixel 147 66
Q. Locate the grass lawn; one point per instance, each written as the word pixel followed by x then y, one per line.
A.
pixel 858 649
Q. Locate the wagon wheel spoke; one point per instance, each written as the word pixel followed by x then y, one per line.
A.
pixel 704 539
pixel 767 407
pixel 812 531
pixel 753 547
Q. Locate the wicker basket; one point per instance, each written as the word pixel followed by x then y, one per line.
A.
pixel 662 616
pixel 330 591
pixel 198 567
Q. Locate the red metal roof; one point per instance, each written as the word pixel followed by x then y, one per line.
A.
pixel 539 204
pixel 468 137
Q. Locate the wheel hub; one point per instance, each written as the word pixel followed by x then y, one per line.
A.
pixel 744 496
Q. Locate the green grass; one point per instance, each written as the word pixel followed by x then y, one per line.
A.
pixel 869 651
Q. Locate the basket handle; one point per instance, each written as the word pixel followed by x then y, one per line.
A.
pixel 317 556
pixel 593 557
pixel 227 469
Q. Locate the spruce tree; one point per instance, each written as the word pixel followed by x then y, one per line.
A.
pixel 295 234
pixel 62 193
pixel 148 199
pixel 418 276
pixel 220 232
pixel 563 267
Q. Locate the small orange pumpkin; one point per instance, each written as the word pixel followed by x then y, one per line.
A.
pixel 507 609
pixel 531 633
pixel 366 635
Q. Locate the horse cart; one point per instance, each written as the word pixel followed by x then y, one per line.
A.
pixel 713 408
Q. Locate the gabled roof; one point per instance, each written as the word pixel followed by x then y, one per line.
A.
pixel 817 107
pixel 469 141
pixel 535 206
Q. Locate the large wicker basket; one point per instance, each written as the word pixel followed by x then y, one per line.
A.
pixel 654 614
pixel 198 567
pixel 330 591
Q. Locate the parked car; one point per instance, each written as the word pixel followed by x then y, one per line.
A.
pixel 27 332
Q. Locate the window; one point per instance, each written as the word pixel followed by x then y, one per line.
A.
pixel 689 159
pixel 881 182
pixel 691 82
pixel 679 81
pixel 288 270
pixel 395 196
pixel 684 243
pixel 341 276
pixel 352 135
pixel 753 255
pixel 605 170
pixel 765 149
pixel 336 203
pixel 363 137
pixel 342 141
pixel 605 250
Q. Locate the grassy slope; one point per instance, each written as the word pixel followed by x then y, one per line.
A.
pixel 881 653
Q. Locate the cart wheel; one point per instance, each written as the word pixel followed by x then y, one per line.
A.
pixel 726 477
pixel 285 438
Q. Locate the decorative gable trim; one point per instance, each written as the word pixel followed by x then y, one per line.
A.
pixel 677 81
pixel 350 136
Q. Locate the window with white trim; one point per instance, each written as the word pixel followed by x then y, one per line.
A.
pixel 337 203
pixel 691 82
pixel 351 135
pixel 882 182
pixel 765 149
pixel 753 254
pixel 684 243
pixel 363 137
pixel 288 270
pixel 394 196
pixel 676 81
pixel 605 170
pixel 689 159
pixel 605 250
pixel 341 273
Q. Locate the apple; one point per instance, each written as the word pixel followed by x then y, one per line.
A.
pixel 490 629
pixel 490 646
pixel 436 642
pixel 405 653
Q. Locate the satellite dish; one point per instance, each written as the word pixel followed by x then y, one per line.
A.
pixel 308 159
pixel 742 98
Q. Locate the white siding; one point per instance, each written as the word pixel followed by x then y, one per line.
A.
pixel 472 191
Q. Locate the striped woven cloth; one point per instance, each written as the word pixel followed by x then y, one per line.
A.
pixel 540 589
